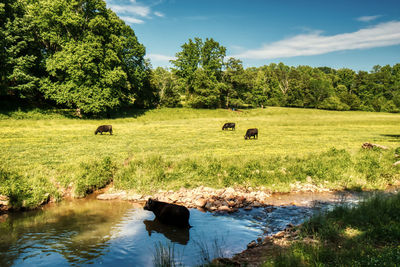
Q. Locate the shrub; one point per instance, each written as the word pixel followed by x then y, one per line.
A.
pixel 333 103
pixel 94 175
pixel 23 192
pixel 390 107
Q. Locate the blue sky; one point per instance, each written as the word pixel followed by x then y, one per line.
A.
pixel 338 34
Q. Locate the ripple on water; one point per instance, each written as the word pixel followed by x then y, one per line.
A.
pixel 114 233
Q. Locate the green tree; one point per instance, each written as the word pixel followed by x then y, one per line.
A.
pixel 167 86
pixel 76 53
pixel 20 52
pixel 235 83
pixel 198 59
pixel 346 77
pixel 205 91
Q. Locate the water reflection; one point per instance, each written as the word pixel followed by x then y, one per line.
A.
pixel 78 231
pixel 111 233
pixel 174 234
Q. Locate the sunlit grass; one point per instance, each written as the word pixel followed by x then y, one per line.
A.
pixel 364 235
pixel 186 147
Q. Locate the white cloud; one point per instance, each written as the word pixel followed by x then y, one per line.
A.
pixel 159 57
pixel 134 12
pixel 132 20
pixel 384 34
pixel 135 9
pixel 159 14
pixel 368 18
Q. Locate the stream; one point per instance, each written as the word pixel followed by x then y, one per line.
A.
pixel 111 233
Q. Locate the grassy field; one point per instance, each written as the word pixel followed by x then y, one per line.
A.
pixel 45 153
pixel 365 235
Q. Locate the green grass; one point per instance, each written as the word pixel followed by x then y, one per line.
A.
pixel 366 235
pixel 170 148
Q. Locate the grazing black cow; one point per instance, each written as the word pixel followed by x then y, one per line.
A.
pixel 250 133
pixel 169 213
pixel 229 125
pixel 103 128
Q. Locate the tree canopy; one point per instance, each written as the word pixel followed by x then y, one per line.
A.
pixel 79 54
pixel 74 52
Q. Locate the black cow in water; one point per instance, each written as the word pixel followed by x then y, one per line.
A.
pixel 251 132
pixel 103 128
pixel 229 125
pixel 169 213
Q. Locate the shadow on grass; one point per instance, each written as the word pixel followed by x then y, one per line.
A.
pixel 392 137
pixel 125 112
pixel 24 110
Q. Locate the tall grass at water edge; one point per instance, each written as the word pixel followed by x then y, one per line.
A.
pixel 365 235
pixel 48 154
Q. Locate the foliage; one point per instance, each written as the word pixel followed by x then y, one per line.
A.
pixel 333 103
pixel 281 85
pixel 24 192
pixel 77 54
pixel 205 91
pixel 364 235
pixel 199 65
pixel 20 57
pixel 168 87
pixel 94 175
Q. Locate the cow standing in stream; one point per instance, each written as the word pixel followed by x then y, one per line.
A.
pixel 169 213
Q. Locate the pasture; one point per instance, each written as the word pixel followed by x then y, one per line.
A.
pixel 51 154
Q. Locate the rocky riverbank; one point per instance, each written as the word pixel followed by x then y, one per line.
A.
pixel 209 199
pixel 259 251
pixel 4 203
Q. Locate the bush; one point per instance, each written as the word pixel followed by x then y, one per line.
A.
pixel 23 192
pixel 390 107
pixel 273 102
pixel 366 107
pixel 333 103
pixel 93 176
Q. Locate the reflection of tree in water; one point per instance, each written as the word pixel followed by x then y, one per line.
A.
pixel 173 233
pixel 78 230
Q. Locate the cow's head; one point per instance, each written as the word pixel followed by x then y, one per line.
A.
pixel 149 204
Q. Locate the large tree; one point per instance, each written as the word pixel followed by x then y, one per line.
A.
pixel 94 60
pixel 77 53
pixel 199 65
pixel 20 52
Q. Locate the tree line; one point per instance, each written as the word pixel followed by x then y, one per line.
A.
pixel 79 54
pixel 202 77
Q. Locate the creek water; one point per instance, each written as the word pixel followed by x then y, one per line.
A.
pixel 112 233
